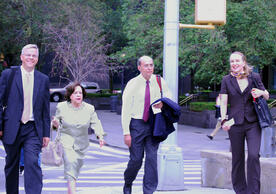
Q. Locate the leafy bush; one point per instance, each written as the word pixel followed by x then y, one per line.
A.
pixel 93 95
pixel 201 106
pixel 272 91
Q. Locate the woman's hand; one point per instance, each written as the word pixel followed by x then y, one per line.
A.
pixel 226 126
pixel 55 123
pixel 256 93
pixel 101 142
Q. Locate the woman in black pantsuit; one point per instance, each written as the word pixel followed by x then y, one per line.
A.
pixel 238 90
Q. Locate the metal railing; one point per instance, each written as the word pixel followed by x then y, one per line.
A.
pixel 188 98
pixel 272 104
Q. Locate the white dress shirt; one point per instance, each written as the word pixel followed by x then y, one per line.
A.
pixel 134 98
pixel 31 74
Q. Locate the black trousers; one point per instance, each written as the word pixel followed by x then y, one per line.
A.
pixel 237 134
pixel 28 139
pixel 141 141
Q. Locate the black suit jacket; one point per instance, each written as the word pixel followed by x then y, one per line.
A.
pixel 241 103
pixel 15 104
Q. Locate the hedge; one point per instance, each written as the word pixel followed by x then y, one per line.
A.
pixel 201 106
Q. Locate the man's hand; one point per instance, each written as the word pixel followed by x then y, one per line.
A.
pixel 127 139
pixel 1 134
pixel 45 141
pixel 159 105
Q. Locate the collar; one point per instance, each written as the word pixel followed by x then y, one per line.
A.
pixel 26 72
pixel 237 75
pixel 141 78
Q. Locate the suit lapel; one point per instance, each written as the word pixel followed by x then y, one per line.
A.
pixel 19 84
pixel 235 84
pixel 36 86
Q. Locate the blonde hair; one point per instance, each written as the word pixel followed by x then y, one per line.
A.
pixel 247 68
pixel 29 46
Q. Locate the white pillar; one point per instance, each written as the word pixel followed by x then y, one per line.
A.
pixel 170 160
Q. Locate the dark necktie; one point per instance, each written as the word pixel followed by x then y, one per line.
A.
pixel 147 103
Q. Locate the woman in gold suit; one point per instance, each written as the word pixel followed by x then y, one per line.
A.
pixel 73 118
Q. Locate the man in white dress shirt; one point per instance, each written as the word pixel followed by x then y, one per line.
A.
pixel 139 93
pixel 25 123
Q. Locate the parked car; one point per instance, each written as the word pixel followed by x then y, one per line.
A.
pixel 57 94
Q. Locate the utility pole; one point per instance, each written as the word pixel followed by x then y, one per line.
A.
pixel 207 13
pixel 170 160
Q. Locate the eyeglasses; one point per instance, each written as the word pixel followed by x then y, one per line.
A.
pixel 148 66
pixel 29 55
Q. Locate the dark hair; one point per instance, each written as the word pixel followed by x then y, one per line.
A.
pixel 71 89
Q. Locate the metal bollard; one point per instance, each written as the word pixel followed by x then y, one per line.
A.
pixel 268 144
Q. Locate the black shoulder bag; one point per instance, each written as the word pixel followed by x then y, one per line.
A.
pixel 8 88
pixel 6 94
pixel 262 110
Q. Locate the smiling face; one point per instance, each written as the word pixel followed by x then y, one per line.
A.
pixel 146 67
pixel 237 63
pixel 29 58
pixel 77 96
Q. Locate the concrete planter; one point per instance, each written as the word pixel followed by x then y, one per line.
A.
pixel 100 103
pixel 217 166
pixel 204 119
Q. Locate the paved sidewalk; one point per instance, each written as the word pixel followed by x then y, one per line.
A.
pixel 138 190
pixel 190 139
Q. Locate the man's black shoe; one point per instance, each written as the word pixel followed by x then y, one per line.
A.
pixel 210 137
pixel 127 189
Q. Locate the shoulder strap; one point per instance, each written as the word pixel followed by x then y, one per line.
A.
pixel 255 83
pixel 254 80
pixel 8 87
pixel 158 79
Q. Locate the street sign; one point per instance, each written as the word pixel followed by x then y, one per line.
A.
pixel 210 12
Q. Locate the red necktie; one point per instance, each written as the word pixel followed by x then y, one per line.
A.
pixel 147 103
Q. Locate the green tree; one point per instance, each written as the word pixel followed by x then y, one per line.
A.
pixel 251 28
pixel 203 54
pixel 143 25
pixel 20 24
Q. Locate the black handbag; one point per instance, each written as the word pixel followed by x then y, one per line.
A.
pixel 6 94
pixel 262 110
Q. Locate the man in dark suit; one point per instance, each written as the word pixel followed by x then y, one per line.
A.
pixel 25 121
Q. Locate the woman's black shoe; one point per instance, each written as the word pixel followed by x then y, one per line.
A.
pixel 210 137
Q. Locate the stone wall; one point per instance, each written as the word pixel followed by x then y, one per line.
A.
pixel 216 171
pixel 204 119
pixel 100 103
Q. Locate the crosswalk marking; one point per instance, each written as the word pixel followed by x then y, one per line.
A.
pixel 109 173
pixel 105 148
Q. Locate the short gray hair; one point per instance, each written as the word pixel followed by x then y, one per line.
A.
pixel 29 46
pixel 142 58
